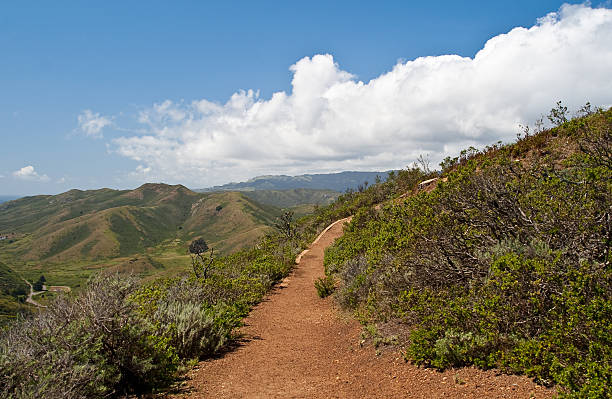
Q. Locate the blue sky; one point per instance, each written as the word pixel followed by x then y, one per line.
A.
pixel 118 93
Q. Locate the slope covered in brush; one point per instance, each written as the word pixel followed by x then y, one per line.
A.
pixel 12 290
pixel 505 263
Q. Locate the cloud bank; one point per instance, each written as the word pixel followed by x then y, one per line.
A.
pixel 28 173
pixel 331 121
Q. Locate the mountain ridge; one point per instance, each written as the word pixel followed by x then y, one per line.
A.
pixel 78 229
pixel 341 181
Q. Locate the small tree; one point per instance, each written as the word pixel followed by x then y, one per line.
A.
pixel 284 224
pixel 38 285
pixel 423 162
pixel 200 264
pixel 558 115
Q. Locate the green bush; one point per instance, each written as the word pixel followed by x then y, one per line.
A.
pixel 325 286
pixel 194 330
pixel 89 346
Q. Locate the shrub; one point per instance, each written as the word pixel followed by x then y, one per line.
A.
pixel 89 346
pixel 325 286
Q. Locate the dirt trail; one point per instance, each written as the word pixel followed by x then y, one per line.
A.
pixel 300 346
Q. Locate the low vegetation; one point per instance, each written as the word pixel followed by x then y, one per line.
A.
pixel 293 197
pixel 119 336
pixel 505 263
pixel 13 293
pixel 325 286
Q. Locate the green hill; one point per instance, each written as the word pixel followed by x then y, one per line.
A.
pixel 6 198
pixel 70 235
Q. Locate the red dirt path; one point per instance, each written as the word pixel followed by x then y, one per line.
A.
pixel 300 346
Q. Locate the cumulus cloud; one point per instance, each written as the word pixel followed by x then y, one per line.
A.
pixel 331 121
pixel 29 173
pixel 92 123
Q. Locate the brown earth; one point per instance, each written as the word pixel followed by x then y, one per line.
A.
pixel 297 345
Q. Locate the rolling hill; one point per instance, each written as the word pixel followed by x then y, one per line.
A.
pixel 67 236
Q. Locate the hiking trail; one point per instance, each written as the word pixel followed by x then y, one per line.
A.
pixel 297 345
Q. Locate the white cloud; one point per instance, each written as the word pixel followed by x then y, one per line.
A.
pixel 92 123
pixel 141 172
pixel 28 173
pixel 331 121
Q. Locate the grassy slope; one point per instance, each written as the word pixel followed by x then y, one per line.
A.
pixel 69 236
pixel 10 282
pixel 294 197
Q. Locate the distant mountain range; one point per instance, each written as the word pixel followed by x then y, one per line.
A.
pixel 328 181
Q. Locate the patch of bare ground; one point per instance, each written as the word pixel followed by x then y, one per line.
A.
pixel 297 345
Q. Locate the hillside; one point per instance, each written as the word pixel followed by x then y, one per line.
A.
pixel 326 181
pixel 67 236
pixel 293 197
pixel 12 288
pixel 503 262
pixel 10 282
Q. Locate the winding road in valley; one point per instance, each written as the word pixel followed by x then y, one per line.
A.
pixel 297 345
